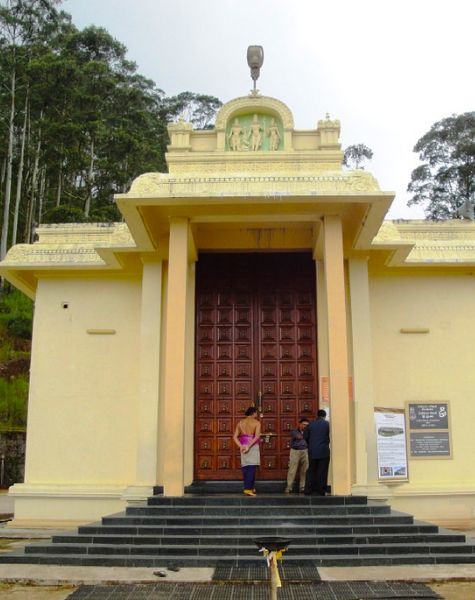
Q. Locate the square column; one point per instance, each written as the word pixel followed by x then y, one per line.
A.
pixel 175 384
pixel 147 435
pixel 337 354
pixel 365 437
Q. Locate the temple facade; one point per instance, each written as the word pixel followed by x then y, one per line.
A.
pixel 257 271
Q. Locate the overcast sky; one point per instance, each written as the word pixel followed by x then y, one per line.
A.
pixel 387 69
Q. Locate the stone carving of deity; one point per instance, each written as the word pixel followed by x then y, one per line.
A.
pixel 235 136
pixel 255 134
pixel 274 136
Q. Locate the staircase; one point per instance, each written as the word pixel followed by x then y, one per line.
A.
pixel 218 530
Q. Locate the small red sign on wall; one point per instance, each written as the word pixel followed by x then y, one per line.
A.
pixel 325 390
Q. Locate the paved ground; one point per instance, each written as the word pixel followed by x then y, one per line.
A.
pixel 25 592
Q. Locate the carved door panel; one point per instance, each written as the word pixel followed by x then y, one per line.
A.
pixel 255 345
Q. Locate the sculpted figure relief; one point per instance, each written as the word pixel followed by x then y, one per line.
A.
pixel 251 137
pixel 274 136
pixel 235 136
pixel 256 134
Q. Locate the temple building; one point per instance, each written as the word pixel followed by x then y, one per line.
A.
pixel 257 271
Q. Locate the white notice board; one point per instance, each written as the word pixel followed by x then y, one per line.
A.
pixel 391 444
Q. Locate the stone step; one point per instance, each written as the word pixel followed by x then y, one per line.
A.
pixel 228 520
pixel 204 488
pixel 243 540
pixel 211 531
pixel 274 510
pixel 263 500
pixel 293 530
pixel 247 549
pixel 251 560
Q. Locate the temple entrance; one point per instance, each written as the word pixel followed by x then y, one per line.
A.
pixel 255 345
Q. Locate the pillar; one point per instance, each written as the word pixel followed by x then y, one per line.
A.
pixel 147 434
pixel 365 442
pixel 173 428
pixel 337 354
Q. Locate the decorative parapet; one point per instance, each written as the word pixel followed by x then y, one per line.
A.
pixel 446 252
pixel 111 234
pixel 164 185
pixel 75 245
pixel 179 133
pixel 427 243
pixel 28 255
pixel 329 133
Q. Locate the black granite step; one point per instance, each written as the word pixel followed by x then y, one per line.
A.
pixel 126 560
pixel 243 540
pixel 204 488
pixel 283 520
pixel 273 511
pixel 211 531
pixel 263 500
pixel 144 530
pixel 246 549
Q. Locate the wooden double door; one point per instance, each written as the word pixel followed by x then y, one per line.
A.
pixel 255 345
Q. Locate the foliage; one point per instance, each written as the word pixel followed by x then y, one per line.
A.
pixel 13 403
pixel 19 327
pixel 78 122
pixel 16 316
pixel 16 312
pixel 199 109
pixel 13 302
pixel 355 155
pixel 445 181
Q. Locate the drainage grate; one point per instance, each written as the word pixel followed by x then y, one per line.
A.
pixel 288 573
pixel 350 590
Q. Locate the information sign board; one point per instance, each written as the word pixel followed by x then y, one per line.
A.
pixel 431 444
pixel 391 444
pixel 428 415
pixel 429 429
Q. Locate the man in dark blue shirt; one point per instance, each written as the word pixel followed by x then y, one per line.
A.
pixel 298 459
pixel 317 435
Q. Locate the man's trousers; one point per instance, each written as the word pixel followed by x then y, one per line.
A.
pixel 298 462
pixel 317 475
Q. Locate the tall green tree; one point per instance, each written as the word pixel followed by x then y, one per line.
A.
pixel 24 26
pixel 199 109
pixel 444 184
pixel 77 121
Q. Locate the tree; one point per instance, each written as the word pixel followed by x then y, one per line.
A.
pixel 199 109
pixel 24 24
pixel 78 123
pixel 355 155
pixel 444 184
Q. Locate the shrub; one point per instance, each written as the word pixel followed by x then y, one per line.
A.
pixel 13 403
pixel 19 327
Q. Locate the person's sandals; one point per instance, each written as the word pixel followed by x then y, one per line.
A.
pixel 249 492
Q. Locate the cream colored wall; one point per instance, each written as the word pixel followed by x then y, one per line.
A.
pixel 435 366
pixel 82 408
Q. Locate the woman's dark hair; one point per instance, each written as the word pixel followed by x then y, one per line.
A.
pixel 250 411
